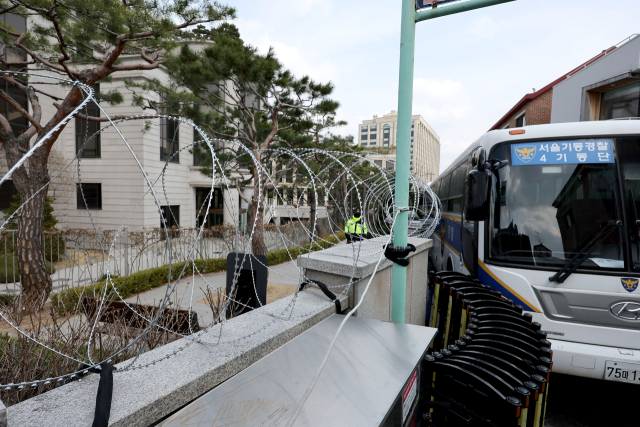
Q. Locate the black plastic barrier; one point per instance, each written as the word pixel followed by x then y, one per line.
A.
pixel 489 365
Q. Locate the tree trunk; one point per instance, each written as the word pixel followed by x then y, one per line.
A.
pixel 311 198
pixel 34 277
pixel 256 208
pixel 35 280
pixel 336 215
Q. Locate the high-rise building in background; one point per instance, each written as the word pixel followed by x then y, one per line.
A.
pixel 380 135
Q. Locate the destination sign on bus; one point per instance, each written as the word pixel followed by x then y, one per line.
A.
pixel 562 152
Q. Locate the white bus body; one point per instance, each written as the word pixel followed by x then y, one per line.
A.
pixel 565 183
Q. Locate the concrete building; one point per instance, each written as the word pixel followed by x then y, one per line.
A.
pixel 380 135
pixel 605 87
pixel 111 179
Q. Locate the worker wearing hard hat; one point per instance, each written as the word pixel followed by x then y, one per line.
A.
pixel 356 229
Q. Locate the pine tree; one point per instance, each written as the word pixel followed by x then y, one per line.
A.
pixel 82 41
pixel 48 223
pixel 235 93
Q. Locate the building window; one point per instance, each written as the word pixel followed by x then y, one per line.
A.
pixel 202 148
pixel 87 129
pixel 391 165
pixel 7 191
pixel 171 215
pixel 621 102
pixel 372 143
pixel 521 120
pixel 386 133
pixel 378 163
pixel 169 139
pixel 506 127
pixel 92 195
pixel 215 214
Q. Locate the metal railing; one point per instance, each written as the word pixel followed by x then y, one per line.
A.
pixel 79 257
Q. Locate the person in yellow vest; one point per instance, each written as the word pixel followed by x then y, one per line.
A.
pixel 356 229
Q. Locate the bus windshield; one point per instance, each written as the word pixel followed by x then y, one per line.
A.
pixel 552 200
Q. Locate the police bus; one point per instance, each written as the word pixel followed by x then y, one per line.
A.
pixel 549 215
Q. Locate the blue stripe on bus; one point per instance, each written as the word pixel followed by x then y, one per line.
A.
pixel 488 278
pixel 449 231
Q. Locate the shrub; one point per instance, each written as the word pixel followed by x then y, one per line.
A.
pixel 69 300
pixel 6 299
pixel 9 268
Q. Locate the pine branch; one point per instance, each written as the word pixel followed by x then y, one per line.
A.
pixel 20 110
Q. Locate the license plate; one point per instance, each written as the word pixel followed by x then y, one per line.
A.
pixel 623 372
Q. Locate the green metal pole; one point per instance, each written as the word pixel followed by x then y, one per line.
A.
pixel 456 8
pixel 403 154
pixel 403 145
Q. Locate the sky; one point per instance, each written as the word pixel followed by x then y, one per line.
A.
pixel 470 68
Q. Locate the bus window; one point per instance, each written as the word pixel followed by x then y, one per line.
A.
pixel 444 191
pixel 628 153
pixel 435 187
pixel 546 214
pixel 456 188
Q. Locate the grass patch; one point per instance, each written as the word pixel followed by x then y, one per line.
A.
pixel 69 301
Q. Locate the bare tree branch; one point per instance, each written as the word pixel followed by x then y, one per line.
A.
pixel 18 44
pixel 240 193
pixel 6 127
pixel 20 110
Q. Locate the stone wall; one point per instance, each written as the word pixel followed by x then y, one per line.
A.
pixel 142 397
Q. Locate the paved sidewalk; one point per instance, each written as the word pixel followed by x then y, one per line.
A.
pixel 283 280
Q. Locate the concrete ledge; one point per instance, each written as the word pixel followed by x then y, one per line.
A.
pixel 339 259
pixel 3 415
pixel 142 397
pixel 336 267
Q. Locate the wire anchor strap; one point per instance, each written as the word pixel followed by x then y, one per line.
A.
pixel 104 396
pixel 398 254
pixel 325 290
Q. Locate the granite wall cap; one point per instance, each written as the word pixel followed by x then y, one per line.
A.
pixel 142 397
pixel 341 259
pixel 3 415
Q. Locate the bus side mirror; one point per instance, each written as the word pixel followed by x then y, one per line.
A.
pixel 480 159
pixel 478 191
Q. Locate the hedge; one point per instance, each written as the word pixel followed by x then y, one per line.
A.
pixel 69 301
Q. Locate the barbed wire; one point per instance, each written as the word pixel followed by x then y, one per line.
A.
pixel 334 182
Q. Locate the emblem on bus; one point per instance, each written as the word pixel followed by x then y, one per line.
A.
pixel 626 310
pixel 526 154
pixel 629 284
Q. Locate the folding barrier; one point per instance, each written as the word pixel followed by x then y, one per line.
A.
pixel 489 364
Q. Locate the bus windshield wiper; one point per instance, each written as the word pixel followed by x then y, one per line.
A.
pixel 572 264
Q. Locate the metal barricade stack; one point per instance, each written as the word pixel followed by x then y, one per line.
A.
pixel 489 364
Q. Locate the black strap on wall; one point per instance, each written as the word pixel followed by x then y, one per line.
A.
pixel 325 290
pixel 105 393
pixel 398 254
